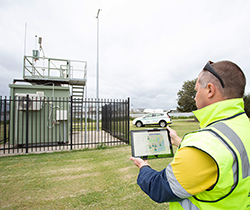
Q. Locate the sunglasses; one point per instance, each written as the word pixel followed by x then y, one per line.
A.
pixel 209 68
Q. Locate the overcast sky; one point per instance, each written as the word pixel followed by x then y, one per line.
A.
pixel 147 48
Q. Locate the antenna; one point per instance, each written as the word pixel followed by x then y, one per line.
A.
pixel 40 43
pixel 35 51
pixel 98 13
pixel 40 40
pixel 41 49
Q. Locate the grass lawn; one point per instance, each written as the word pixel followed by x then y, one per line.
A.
pixel 87 179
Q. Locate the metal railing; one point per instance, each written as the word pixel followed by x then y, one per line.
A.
pixel 53 68
pixel 30 125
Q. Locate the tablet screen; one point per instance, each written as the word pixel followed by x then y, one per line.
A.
pixel 148 144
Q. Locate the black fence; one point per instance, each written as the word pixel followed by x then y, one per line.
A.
pixel 43 124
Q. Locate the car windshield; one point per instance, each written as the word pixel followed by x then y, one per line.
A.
pixel 159 114
pixel 154 115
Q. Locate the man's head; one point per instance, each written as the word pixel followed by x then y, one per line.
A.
pixel 209 85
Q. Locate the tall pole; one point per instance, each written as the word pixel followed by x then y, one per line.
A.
pixel 97 74
pixel 25 35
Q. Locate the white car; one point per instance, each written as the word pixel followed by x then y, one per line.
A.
pixel 162 119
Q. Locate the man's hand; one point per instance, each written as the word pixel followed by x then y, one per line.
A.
pixel 139 162
pixel 175 139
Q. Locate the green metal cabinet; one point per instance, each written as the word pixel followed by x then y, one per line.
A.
pixel 48 114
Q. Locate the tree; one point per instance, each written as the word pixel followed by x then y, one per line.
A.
pixel 247 104
pixel 186 95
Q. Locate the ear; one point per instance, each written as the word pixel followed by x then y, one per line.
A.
pixel 211 89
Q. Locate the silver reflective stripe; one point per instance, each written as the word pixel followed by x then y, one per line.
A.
pixel 234 138
pixel 188 205
pixel 175 186
pixel 235 162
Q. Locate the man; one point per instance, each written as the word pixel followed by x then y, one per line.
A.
pixel 211 168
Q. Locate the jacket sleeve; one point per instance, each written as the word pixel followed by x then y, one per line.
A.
pixel 156 185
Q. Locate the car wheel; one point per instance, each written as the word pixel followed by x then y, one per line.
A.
pixel 163 124
pixel 138 124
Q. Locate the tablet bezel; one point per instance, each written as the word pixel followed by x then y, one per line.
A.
pixel 151 156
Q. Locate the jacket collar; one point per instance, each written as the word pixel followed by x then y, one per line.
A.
pixel 218 111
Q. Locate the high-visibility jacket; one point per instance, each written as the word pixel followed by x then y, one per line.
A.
pixel 225 136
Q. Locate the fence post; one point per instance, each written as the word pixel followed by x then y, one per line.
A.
pixel 86 121
pixel 5 127
pixel 128 119
pixel 27 123
pixel 71 122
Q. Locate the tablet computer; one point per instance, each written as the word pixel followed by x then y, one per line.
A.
pixel 149 144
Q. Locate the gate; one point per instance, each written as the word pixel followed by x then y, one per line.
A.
pixel 33 125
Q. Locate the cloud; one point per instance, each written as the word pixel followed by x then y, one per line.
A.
pixel 146 51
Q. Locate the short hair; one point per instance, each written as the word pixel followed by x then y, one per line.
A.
pixel 232 76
